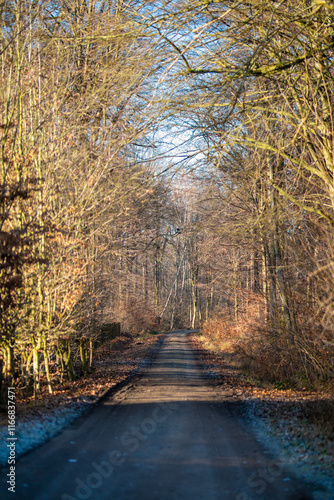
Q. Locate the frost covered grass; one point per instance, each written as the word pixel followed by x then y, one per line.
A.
pixel 300 445
pixel 38 429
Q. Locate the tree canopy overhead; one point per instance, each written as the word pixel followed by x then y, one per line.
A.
pixel 162 158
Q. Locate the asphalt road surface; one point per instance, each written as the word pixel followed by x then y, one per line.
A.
pixel 167 435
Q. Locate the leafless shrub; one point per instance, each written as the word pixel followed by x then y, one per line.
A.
pixel 136 316
pixel 270 355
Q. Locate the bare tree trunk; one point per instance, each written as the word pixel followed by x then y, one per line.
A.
pixel 36 345
pixel 194 279
pixel 276 256
pixel 46 364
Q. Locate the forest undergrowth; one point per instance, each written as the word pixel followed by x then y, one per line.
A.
pixel 269 353
pixel 114 361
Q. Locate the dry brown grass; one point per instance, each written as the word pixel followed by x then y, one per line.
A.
pixel 275 356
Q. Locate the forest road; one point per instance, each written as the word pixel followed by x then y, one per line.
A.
pixel 167 435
